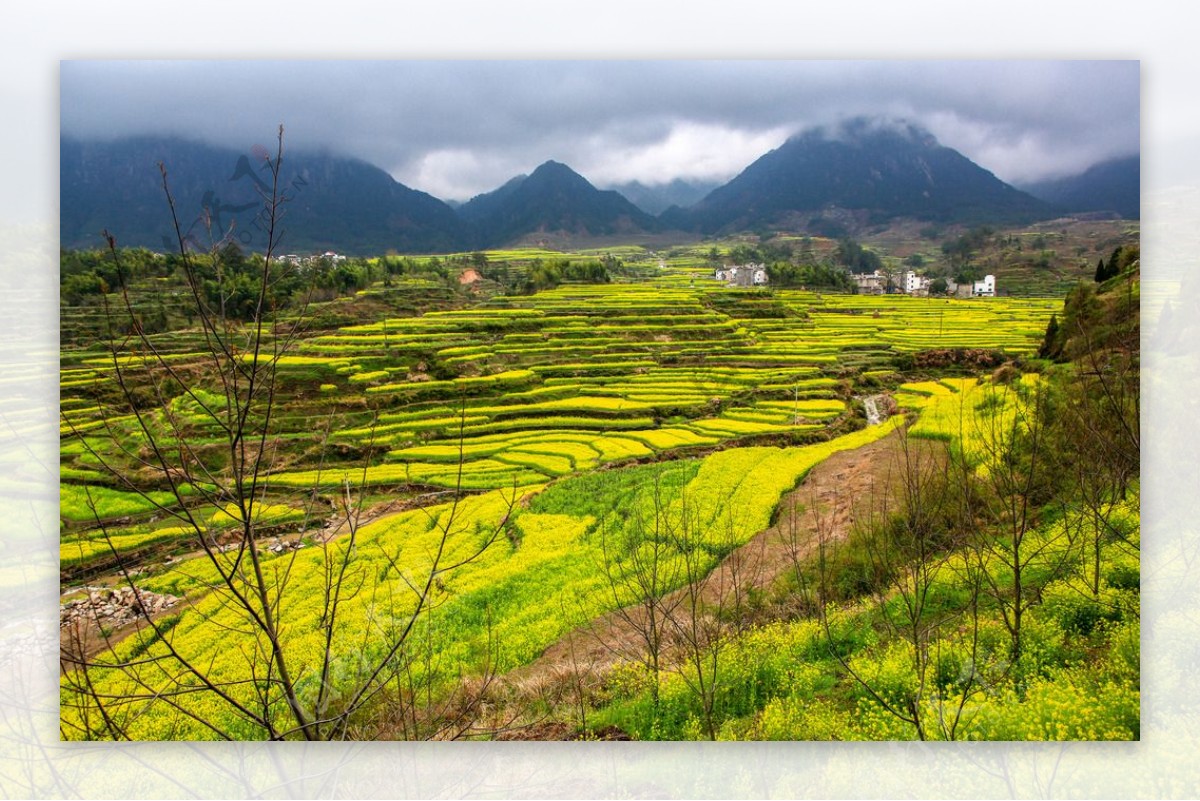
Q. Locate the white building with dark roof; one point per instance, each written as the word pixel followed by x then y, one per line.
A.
pixel 985 288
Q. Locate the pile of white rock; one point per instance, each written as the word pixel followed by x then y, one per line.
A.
pixel 113 606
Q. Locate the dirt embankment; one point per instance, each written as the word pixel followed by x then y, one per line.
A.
pixel 826 504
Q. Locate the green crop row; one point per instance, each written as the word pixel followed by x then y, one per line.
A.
pixel 508 378
pixel 85 504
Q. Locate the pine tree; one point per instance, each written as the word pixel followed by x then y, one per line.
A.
pixel 1051 348
pixel 1114 262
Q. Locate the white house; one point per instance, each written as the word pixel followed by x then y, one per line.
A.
pixel 743 275
pixel 915 284
pixel 985 288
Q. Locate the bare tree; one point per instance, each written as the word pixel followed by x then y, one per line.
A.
pixel 1101 413
pixel 714 604
pixel 641 564
pixel 1003 489
pixel 281 688
pixel 582 677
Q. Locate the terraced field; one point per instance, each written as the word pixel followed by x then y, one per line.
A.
pixel 521 403
pixel 528 389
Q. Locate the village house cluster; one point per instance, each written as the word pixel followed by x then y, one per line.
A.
pixel 328 256
pixel 743 275
pixel 910 283
pixel 875 283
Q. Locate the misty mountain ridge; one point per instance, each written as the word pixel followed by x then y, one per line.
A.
pixel 876 171
pixel 657 198
pixel 861 173
pixel 1113 186
pixel 553 198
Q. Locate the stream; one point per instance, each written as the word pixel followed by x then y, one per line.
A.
pixel 871 405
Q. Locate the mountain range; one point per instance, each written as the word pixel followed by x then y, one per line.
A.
pixel 332 203
pixel 862 173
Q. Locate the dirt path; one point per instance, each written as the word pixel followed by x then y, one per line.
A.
pixel 847 484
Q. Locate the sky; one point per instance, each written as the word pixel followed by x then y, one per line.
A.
pixel 458 128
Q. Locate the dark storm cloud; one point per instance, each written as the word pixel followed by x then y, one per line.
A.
pixel 457 128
